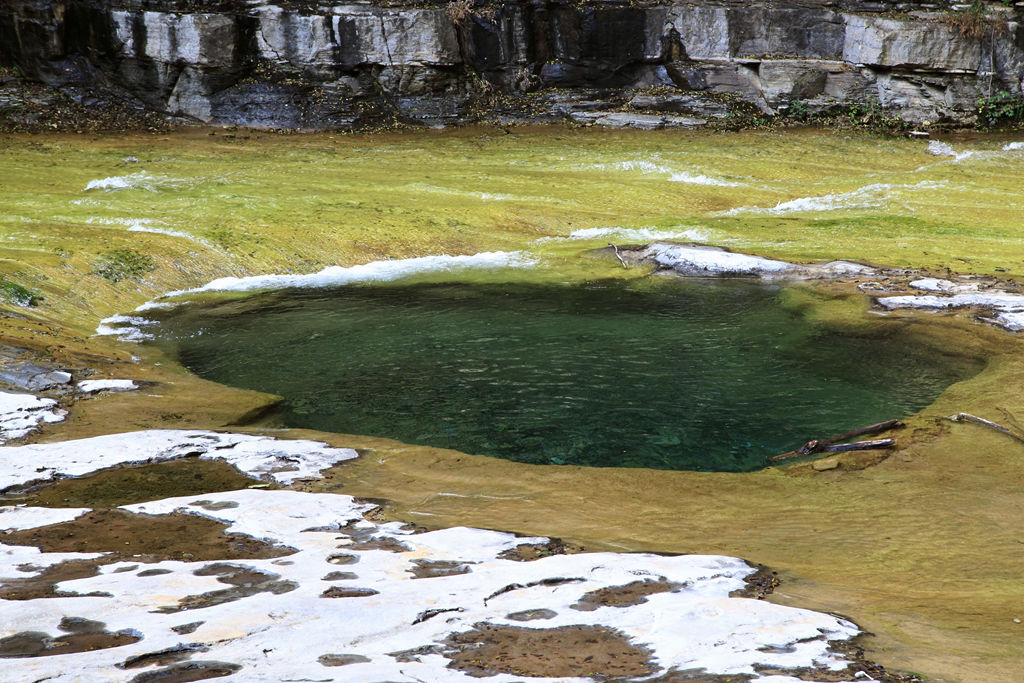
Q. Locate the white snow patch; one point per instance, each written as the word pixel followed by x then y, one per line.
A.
pixel 868 196
pixel 22 413
pixel 932 284
pixel 91 386
pixel 375 271
pixel 21 517
pixel 283 461
pixel 712 261
pixel 1008 307
pixel 279 635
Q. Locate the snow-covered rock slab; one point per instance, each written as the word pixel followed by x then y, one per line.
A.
pixel 1007 308
pixel 695 260
pixel 91 386
pixel 279 460
pixel 21 413
pixel 362 601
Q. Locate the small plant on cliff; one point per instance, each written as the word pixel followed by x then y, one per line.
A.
pixel 459 11
pixel 975 21
pixel 1003 107
pixel 123 264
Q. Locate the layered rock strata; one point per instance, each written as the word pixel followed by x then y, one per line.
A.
pixel 310 65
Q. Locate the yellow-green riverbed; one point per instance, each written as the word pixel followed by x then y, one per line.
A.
pixel 923 549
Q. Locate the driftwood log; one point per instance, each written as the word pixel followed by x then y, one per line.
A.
pixel 832 445
pixel 967 417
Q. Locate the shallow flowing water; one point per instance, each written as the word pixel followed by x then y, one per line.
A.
pixel 698 375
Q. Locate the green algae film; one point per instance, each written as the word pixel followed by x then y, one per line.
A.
pixel 694 375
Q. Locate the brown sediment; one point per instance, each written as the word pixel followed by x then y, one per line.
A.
pixel 624 596
pixel 136 484
pixel 124 534
pixel 79 635
pixel 245 582
pixel 527 552
pixel 567 651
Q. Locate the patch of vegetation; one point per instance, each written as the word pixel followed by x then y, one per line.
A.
pixel 19 295
pixel 976 21
pixel 123 264
pixel 1001 108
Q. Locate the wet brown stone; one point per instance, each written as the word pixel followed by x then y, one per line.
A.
pixel 387 543
pixel 429 569
pixel 342 592
pixel 162 657
pixel 624 596
pixel 186 672
pixel 174 537
pixel 759 585
pixel 567 651
pixel 341 660
pixel 43 584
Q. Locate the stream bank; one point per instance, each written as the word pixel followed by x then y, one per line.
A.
pixel 922 549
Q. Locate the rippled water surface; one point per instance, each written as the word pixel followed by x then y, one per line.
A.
pixel 680 375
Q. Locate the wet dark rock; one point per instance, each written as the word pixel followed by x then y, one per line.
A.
pixel 32 377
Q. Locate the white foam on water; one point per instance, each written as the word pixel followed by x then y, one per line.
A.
pixel 699 179
pixel 136 181
pixel 124 327
pixel 674 175
pixel 1013 146
pixel 284 631
pixel 483 196
pixel 637 234
pixel 143 225
pixel 874 195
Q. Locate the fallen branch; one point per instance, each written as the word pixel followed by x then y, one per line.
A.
pixel 967 417
pixel 838 448
pixel 825 445
pixel 616 249
pixel 816 446
pixel 860 446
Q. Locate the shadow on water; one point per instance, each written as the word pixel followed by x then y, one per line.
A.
pixel 694 375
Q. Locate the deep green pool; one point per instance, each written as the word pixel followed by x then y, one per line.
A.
pixel 696 375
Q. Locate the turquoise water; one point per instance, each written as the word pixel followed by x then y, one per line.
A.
pixel 695 375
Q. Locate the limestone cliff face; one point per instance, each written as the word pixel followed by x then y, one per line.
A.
pixel 310 65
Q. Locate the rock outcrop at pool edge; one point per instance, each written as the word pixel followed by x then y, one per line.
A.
pixel 305 65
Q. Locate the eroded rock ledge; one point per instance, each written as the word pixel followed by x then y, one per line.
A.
pixel 312 65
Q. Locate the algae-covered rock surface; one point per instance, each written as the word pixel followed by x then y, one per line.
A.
pixel 919 546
